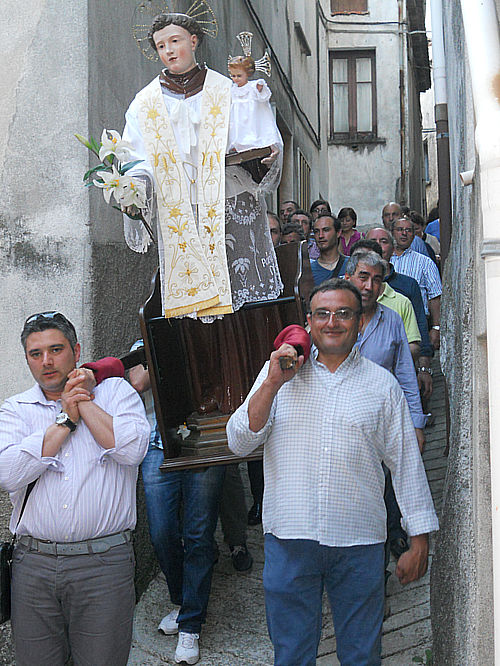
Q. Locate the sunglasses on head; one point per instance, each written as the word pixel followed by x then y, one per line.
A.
pixel 52 314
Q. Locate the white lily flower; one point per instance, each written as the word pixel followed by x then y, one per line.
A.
pixel 114 146
pixel 113 183
pixel 131 193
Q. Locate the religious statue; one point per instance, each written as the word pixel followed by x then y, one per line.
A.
pixel 215 248
pixel 193 150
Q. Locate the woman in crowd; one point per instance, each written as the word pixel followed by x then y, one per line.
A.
pixel 348 234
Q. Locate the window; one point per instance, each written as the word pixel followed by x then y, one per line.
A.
pixel 353 96
pixel 349 6
pixel 304 182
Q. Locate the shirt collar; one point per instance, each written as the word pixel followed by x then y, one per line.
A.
pixel 388 292
pixel 351 360
pixel 35 395
pixel 188 84
pixel 407 251
pixel 372 324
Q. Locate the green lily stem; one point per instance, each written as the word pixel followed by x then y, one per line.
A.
pixel 146 225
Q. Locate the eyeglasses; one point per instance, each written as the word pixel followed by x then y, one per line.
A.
pixel 403 230
pixel 53 314
pixel 342 314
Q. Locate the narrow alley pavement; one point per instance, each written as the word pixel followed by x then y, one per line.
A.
pixel 235 633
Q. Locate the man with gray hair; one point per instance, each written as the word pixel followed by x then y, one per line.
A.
pixel 390 213
pixel 383 340
pixel 408 286
pixel 73 566
pixel 422 269
pixel 382 337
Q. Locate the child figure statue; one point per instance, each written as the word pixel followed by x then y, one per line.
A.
pixel 252 123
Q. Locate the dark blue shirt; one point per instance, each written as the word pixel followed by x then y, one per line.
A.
pixel 408 286
pixel 321 274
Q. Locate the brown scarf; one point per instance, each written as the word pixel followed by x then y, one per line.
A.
pixel 188 84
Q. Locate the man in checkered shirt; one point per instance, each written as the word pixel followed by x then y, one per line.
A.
pixel 327 424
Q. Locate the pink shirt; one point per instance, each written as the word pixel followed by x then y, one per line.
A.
pixel 345 248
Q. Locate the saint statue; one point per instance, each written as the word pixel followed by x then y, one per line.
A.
pixel 214 243
pixel 215 248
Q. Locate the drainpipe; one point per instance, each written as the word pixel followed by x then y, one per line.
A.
pixel 441 117
pixel 403 126
pixel 483 46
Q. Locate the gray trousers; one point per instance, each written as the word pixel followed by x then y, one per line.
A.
pixel 78 605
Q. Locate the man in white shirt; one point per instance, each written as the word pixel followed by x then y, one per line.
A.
pixel 73 566
pixel 327 425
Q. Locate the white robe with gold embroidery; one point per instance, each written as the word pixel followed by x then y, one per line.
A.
pixel 214 243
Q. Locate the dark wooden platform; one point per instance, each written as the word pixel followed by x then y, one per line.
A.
pixel 185 354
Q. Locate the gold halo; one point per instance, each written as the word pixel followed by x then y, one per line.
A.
pixel 147 10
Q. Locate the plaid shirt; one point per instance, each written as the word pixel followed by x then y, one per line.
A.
pixel 324 442
pixel 423 270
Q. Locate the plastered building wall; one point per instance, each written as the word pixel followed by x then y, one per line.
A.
pixel 461 576
pixel 44 233
pixel 368 175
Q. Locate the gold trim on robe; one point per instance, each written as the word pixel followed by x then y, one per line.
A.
pixel 195 272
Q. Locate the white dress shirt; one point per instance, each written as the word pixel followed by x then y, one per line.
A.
pixel 85 491
pixel 324 442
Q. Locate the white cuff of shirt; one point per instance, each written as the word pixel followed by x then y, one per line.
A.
pixel 423 522
pixel 33 446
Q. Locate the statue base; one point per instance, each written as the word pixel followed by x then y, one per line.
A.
pixel 208 433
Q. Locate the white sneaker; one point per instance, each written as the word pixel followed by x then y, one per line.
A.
pixel 187 648
pixel 169 624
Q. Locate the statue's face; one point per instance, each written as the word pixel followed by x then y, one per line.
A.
pixel 239 76
pixel 176 48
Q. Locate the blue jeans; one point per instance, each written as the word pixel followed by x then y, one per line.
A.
pixel 295 572
pixel 185 548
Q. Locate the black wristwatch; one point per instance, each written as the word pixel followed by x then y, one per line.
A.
pixel 63 419
pixel 424 369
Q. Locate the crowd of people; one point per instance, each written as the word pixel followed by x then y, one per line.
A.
pixel 412 254
pixel 379 302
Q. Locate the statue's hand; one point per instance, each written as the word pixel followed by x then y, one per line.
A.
pixel 272 157
pixel 132 211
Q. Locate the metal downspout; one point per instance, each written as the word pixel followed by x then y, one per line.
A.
pixel 442 133
pixel 403 129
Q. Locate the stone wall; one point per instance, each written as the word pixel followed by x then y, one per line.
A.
pixel 461 583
